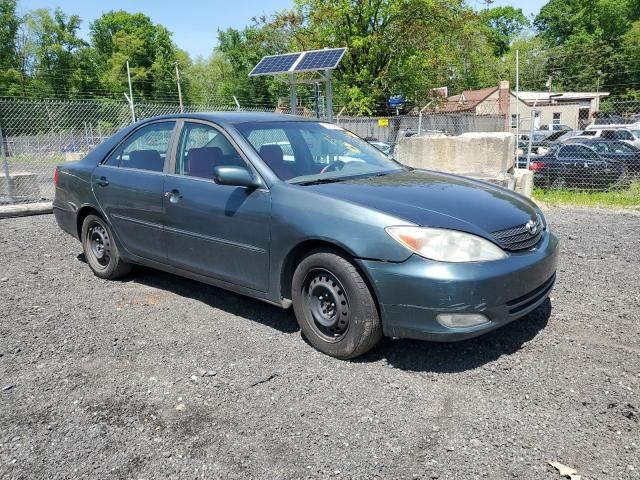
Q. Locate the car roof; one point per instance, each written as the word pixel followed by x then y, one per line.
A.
pixel 233 118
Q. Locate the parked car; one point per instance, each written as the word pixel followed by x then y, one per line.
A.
pixel 632 137
pixel 615 120
pixel 359 249
pixel 541 142
pixel 382 146
pixel 574 166
pixel 555 127
pixel 618 151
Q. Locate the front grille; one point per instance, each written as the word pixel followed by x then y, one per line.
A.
pixel 519 238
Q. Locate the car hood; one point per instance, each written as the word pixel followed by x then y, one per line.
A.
pixel 436 199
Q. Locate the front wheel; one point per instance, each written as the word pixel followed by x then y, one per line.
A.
pixel 334 306
pixel 100 249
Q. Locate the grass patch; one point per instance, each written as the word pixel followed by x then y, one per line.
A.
pixel 622 198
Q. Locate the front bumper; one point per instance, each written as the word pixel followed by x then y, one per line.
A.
pixel 412 293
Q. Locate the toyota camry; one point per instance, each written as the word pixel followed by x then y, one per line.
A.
pixel 302 213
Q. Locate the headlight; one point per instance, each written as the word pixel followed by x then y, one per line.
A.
pixel 446 245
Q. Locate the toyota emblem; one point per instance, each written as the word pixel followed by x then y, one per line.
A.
pixel 532 227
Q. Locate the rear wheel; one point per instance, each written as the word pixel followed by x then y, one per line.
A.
pixel 334 306
pixel 559 183
pixel 100 249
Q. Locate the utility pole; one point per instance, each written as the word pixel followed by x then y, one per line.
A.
pixel 179 89
pixel 598 90
pixel 130 97
pixel 293 98
pixel 531 130
pixel 517 97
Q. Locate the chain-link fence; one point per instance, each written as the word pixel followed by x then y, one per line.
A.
pixel 37 135
pixel 589 152
pixel 568 147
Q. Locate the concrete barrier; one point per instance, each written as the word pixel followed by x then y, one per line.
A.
pixel 486 156
pixel 20 185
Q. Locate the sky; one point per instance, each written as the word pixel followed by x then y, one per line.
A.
pixel 195 23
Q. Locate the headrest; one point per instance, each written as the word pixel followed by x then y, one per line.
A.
pixel 146 160
pixel 272 154
pixel 202 160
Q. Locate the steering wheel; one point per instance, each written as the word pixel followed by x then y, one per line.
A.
pixel 334 166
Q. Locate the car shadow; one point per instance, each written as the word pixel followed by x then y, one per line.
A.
pixel 235 304
pixel 414 355
pixel 410 355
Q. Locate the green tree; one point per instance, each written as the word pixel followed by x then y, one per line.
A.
pixel 10 77
pixel 397 47
pixel 503 25
pixel 118 37
pixel 587 39
pixel 56 56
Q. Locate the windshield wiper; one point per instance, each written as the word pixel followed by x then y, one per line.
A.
pixel 319 181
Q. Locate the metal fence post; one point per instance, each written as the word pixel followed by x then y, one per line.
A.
pixel 5 168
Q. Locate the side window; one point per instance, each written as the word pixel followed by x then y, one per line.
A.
pixel 608 134
pixel 145 149
pixel 587 153
pixel 201 148
pixel 623 135
pixel 618 147
pixel 570 151
pixel 601 147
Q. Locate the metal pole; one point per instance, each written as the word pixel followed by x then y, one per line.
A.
pixel 328 88
pixel 533 121
pixel 598 91
pixel 238 108
pixel 517 97
pixel 5 167
pixel 179 89
pixel 294 99
pixel 317 99
pixel 130 98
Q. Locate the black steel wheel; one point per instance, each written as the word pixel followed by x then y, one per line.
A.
pixel 100 243
pixel 327 302
pixel 334 306
pixel 100 249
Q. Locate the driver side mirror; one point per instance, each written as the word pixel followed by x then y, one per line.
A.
pixel 235 176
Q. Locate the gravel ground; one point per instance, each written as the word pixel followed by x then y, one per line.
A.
pixel 161 377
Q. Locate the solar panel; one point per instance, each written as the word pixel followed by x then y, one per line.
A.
pixel 273 64
pixel 310 61
pixel 327 59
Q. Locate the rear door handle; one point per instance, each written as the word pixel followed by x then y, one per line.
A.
pixel 174 195
pixel 102 181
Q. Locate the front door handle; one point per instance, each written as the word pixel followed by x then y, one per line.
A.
pixel 102 182
pixel 174 195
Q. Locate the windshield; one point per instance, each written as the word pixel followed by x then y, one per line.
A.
pixel 301 151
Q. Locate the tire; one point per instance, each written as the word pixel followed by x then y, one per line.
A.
pixel 334 306
pixel 559 183
pixel 100 249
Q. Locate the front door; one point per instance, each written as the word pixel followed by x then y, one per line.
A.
pixel 129 187
pixel 215 230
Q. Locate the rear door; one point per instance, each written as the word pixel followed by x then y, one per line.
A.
pixel 220 231
pixel 129 187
